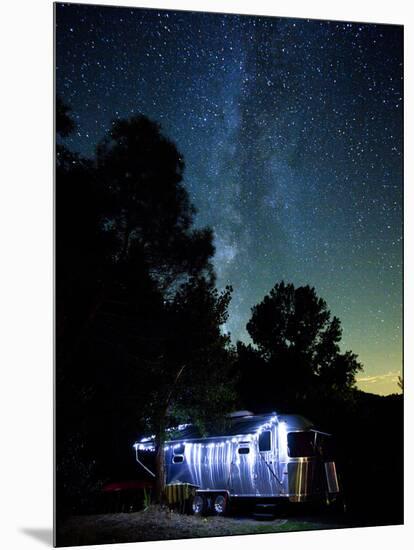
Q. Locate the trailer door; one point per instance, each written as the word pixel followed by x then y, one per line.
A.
pixel 242 471
pixel 267 478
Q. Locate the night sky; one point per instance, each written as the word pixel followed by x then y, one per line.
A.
pixel 291 132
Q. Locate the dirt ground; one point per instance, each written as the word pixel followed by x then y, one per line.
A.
pixel 156 524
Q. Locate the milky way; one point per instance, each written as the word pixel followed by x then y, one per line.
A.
pixel 291 131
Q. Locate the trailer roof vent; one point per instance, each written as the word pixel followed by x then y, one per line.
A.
pixel 238 414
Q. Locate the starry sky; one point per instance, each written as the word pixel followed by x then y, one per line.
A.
pixel 291 130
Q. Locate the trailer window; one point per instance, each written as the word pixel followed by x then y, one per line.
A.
pixel 178 450
pixel 178 454
pixel 244 450
pixel 265 441
pixel 301 444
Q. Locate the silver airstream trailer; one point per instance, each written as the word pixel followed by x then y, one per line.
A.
pixel 267 457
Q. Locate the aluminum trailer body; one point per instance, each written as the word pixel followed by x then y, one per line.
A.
pixel 259 456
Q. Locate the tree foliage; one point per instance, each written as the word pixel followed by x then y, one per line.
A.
pixel 139 343
pixel 148 210
pixel 297 347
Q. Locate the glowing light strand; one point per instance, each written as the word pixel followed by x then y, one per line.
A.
pixel 142 445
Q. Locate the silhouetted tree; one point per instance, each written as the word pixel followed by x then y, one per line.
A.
pixel 190 376
pixel 150 218
pixel 138 318
pixel 298 343
pixel 148 209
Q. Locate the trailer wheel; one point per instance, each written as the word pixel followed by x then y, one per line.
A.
pixel 199 505
pixel 220 505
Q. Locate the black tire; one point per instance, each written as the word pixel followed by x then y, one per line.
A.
pixel 199 505
pixel 220 505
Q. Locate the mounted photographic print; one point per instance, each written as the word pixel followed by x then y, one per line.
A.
pixel 228 274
